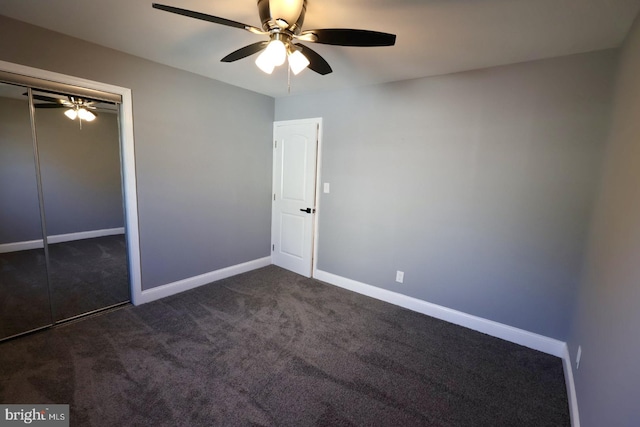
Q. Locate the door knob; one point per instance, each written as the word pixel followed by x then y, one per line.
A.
pixel 308 210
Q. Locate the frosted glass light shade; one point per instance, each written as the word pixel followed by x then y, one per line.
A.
pixel 275 54
pixel 297 62
pixel 71 113
pixel 86 115
pixel 277 51
pixel 264 62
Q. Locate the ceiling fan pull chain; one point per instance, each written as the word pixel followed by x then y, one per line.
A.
pixel 288 80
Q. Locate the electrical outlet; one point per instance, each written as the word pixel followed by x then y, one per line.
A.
pixel 578 356
pixel 399 276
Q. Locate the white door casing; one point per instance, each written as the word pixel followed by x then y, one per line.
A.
pixel 294 194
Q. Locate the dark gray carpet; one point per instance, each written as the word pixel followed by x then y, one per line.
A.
pixel 24 297
pixel 271 348
pixel 86 275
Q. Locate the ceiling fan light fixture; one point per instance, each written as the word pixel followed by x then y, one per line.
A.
pixel 286 10
pixel 71 113
pixel 265 63
pixel 274 55
pixel 297 62
pixel 86 115
pixel 277 51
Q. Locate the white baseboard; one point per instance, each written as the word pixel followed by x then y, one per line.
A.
pixel 489 327
pixel 571 388
pixel 59 238
pixel 193 282
pixel 20 246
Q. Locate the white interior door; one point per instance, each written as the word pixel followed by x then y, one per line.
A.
pixel 294 194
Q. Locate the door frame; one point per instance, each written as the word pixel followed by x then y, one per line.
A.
pixel 128 161
pixel 314 233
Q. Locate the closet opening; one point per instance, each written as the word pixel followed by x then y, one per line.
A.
pixel 68 233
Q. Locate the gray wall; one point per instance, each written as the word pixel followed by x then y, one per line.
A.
pixel 203 151
pixel 80 171
pixel 477 185
pixel 608 318
pixel 19 208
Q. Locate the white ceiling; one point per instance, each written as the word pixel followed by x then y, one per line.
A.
pixel 433 36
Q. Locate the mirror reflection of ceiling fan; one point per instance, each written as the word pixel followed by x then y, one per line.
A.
pixel 76 106
pixel 282 22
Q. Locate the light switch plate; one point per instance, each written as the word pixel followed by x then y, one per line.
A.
pixel 326 187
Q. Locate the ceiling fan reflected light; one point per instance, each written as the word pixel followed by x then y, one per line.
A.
pixel 81 113
pixel 282 20
pixel 76 107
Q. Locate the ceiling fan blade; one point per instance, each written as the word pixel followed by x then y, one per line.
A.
pixel 89 101
pixel 49 106
pixel 349 37
pixel 316 62
pixel 245 51
pixel 45 98
pixel 205 17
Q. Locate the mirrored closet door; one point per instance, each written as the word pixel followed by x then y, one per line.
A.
pixel 69 208
pixel 24 291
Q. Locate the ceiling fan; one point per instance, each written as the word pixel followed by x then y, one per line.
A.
pixel 282 21
pixel 77 107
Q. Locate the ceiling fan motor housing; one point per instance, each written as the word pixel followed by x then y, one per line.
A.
pixel 290 15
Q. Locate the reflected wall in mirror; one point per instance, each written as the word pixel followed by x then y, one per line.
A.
pixel 24 294
pixel 83 203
